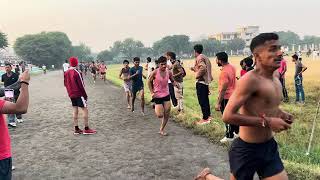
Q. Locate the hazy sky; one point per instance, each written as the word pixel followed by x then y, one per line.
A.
pixel 98 23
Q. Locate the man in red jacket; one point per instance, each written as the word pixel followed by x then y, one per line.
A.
pixel 74 84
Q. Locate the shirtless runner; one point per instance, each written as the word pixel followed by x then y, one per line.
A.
pixel 257 98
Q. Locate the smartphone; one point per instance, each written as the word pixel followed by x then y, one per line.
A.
pixel 9 93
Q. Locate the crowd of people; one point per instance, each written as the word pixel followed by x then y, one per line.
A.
pixel 249 104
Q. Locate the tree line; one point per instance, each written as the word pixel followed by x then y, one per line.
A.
pixel 53 48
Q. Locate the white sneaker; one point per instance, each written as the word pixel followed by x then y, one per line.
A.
pixel 13 168
pixel 142 113
pixel 225 140
pixel 20 120
pixel 13 124
pixel 235 135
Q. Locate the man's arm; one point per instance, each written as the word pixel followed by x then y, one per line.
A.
pixel 179 73
pixel 21 106
pixel 222 92
pixel 150 83
pixel 171 79
pixel 120 75
pixel 242 93
pixel 304 68
pixel 80 84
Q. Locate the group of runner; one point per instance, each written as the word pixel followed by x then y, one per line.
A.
pixel 252 106
pixel 250 109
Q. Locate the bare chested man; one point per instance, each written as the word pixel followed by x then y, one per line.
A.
pixel 258 95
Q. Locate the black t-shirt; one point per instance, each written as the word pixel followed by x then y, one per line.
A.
pixel 9 80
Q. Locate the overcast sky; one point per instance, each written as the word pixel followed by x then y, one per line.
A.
pixel 98 23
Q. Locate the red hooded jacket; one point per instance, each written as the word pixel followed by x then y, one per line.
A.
pixel 74 83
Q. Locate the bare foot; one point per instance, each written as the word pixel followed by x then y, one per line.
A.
pixel 205 174
pixel 128 107
pixel 162 133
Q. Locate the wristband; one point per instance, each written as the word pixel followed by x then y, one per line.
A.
pixel 264 121
pixel 23 82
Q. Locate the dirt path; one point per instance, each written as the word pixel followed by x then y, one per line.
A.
pixel 127 145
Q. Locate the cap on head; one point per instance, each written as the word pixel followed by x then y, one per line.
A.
pixel 73 61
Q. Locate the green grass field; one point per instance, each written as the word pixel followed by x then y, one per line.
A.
pixel 293 143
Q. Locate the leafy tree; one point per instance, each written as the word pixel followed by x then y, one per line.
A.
pixel 236 44
pixel 129 48
pixel 49 48
pixel 82 51
pixel 311 40
pixel 3 40
pixel 105 56
pixel 288 38
pixel 180 44
pixel 210 46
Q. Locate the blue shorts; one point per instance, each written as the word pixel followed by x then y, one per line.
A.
pixel 247 158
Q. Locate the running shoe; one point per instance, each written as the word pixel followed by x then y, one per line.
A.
pixel 79 131
pixel 12 124
pixel 225 140
pixel 20 120
pixel 89 131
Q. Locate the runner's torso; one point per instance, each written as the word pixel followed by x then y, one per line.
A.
pixel 160 83
pixel 265 100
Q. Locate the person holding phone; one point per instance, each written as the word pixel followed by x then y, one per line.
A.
pixel 6 107
pixel 8 79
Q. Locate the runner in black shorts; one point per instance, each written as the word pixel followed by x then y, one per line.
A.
pixel 136 74
pixel 94 68
pixel 254 106
pixel 159 89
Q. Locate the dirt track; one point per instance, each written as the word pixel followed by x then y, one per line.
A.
pixel 127 145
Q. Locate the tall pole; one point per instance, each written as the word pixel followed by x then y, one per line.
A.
pixel 313 128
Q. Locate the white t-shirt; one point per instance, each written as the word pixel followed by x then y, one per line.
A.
pixel 150 66
pixel 65 67
pixel 169 64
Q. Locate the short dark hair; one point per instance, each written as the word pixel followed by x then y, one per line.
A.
pixel 295 57
pixel 162 59
pixel 261 39
pixel 198 48
pixel 8 64
pixel 66 61
pixel 249 61
pixel 148 59
pixel 125 61
pixel 172 55
pixel 241 62
pixel 222 56
pixel 136 59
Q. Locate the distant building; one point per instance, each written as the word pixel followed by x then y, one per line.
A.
pixel 247 33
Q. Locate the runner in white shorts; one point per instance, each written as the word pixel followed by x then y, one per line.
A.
pixel 124 75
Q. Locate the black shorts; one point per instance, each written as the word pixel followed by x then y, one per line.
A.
pixel 247 158
pixel 103 73
pixel 6 169
pixel 94 72
pixel 161 100
pixel 79 102
pixel 136 89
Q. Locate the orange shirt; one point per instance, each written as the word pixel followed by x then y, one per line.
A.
pixel 227 75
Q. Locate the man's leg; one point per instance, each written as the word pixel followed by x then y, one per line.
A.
pixel 166 114
pixel 85 117
pixel 281 176
pixel 75 117
pixel 128 98
pixel 134 95
pixel 206 101
pixel 302 92
pixel 11 119
pixel 142 100
pixel 200 98
pixel 6 169
pixel 172 95
pixel 297 92
pixel 285 92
